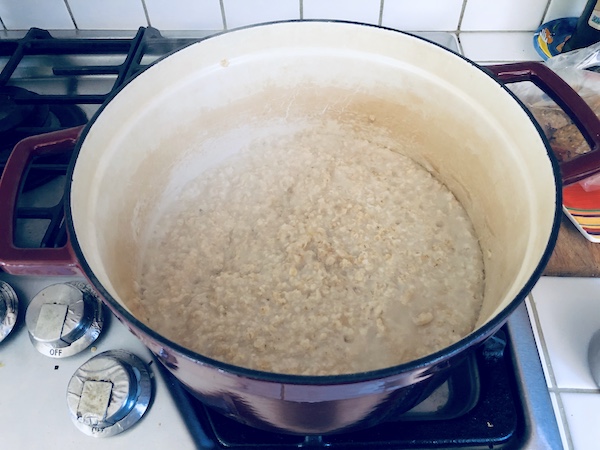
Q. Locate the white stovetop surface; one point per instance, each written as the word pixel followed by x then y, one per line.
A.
pixel 33 410
pixel 565 313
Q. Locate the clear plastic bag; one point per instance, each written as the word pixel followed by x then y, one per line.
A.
pixel 578 69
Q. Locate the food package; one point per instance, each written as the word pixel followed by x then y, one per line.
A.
pixel 580 69
pixel 577 69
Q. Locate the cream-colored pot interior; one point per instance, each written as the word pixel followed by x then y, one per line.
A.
pixel 207 101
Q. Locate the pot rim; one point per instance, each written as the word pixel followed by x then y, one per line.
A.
pixel 424 363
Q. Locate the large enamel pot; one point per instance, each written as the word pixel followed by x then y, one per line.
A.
pixel 213 97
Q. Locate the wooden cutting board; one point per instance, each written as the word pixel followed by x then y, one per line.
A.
pixel 574 255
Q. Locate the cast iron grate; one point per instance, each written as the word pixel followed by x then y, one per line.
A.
pixel 48 84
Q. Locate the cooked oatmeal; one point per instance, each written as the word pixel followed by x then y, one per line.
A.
pixel 314 254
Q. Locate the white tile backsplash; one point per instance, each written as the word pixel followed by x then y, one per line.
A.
pixel 505 15
pixel 425 15
pixel 24 14
pixel 564 8
pixel 108 14
pixel 185 14
pixel 366 11
pixel 242 12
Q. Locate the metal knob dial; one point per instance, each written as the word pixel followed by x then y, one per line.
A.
pixel 64 319
pixel 109 393
pixel 9 306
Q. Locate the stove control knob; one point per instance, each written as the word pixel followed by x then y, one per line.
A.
pixel 109 393
pixel 64 319
pixel 9 307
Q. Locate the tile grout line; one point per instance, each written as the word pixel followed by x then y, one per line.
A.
pixel 558 390
pixel 544 350
pixel 222 4
pixel 459 25
pixel 565 423
pixel 537 328
pixel 146 13
pixel 543 19
pixel 461 16
pixel 71 15
pixel 563 429
pixel 380 20
pixel 301 9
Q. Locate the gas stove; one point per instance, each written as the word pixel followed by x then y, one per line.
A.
pixel 497 399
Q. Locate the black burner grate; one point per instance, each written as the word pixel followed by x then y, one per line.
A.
pixel 135 53
pixel 48 84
